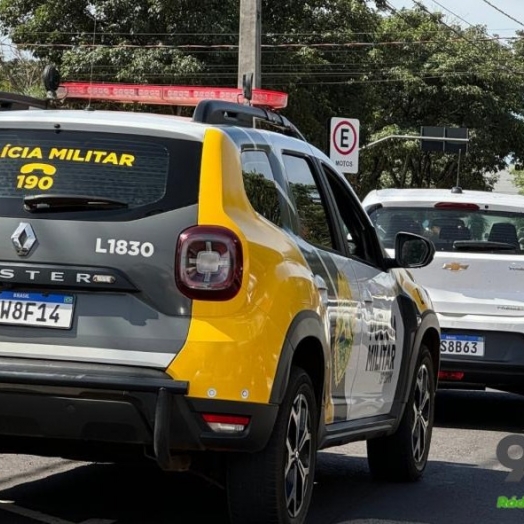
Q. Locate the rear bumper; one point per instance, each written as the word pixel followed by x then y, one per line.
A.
pixel 482 375
pixel 73 409
pixel 501 366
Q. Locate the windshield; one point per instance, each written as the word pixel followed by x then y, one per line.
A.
pixel 453 229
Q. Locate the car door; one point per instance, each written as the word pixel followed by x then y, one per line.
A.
pixel 320 238
pixel 381 345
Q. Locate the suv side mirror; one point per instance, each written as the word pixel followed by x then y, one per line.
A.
pixel 412 251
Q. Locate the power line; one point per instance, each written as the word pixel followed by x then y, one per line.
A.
pixel 450 11
pixel 503 12
pixel 265 46
pixel 461 35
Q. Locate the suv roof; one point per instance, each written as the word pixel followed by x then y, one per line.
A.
pixel 424 197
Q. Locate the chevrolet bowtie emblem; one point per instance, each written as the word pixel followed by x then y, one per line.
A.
pixel 23 239
pixel 455 266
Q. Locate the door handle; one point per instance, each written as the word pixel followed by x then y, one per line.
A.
pixel 322 289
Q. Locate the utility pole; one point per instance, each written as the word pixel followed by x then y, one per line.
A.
pixel 249 45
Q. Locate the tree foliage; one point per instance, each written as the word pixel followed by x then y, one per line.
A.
pixel 435 74
pixel 394 71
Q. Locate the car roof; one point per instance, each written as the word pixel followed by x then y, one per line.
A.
pixel 430 197
pixel 136 122
pixel 106 120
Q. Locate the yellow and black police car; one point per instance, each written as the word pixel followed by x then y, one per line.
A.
pixel 206 293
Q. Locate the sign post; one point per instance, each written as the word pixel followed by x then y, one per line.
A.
pixel 344 143
pixel 431 135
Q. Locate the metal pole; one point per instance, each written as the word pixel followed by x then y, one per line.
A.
pixel 458 169
pixel 250 41
pixel 416 137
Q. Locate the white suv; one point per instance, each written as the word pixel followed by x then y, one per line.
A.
pixel 475 280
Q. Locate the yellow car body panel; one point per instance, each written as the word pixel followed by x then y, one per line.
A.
pixel 233 347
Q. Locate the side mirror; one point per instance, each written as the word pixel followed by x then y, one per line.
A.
pixel 412 251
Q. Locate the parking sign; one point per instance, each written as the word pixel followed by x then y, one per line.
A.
pixel 343 143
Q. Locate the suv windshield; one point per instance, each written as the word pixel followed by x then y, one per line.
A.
pixel 133 170
pixel 471 230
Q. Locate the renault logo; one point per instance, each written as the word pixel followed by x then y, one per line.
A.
pixel 23 239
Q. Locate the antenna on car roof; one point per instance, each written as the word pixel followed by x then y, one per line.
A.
pixel 457 188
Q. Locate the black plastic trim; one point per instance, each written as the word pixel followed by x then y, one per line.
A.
pixel 13 101
pixel 363 429
pixel 92 406
pixel 305 324
pixel 88 381
pixel 218 112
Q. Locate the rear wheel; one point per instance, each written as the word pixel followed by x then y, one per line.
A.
pixel 403 456
pixel 274 486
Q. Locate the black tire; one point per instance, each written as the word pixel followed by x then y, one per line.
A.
pixel 402 456
pixel 274 486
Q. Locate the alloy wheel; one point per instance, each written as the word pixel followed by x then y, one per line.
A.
pixel 298 455
pixel 422 413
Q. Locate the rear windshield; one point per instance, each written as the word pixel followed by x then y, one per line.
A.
pixel 453 229
pixel 140 171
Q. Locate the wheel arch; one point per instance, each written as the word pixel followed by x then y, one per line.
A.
pixel 428 334
pixel 305 347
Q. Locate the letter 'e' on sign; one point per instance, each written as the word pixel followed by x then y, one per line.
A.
pixel 343 143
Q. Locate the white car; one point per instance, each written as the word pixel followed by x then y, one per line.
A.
pixel 476 279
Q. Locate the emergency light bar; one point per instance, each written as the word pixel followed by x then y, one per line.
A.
pixel 168 95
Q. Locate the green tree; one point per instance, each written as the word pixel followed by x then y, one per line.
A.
pixel 429 73
pixel 394 72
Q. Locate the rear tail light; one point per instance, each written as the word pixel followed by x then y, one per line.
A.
pixel 209 263
pixel 450 375
pixel 459 206
pixel 226 423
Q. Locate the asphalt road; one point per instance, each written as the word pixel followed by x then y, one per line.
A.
pixel 462 482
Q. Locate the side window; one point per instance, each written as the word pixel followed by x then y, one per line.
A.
pixel 313 219
pixel 260 185
pixel 358 236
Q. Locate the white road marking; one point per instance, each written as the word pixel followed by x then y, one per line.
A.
pixel 7 505
pixel 98 521
pixel 27 475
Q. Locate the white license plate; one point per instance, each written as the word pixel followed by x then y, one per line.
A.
pixel 35 309
pixel 463 345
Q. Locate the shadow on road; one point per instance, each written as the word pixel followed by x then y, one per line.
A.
pixel 484 410
pixel 449 493
pixel 126 495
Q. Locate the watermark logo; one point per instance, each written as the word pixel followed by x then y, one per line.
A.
pixel 515 464
pixel 510 503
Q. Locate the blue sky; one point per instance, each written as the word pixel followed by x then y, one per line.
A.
pixel 476 12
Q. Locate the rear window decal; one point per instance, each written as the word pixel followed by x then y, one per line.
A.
pixel 75 155
pixel 36 175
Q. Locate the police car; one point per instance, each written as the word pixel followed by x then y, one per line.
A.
pixel 206 293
